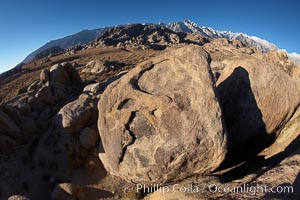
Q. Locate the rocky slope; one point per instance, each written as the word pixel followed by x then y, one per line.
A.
pixel 119 112
pixel 146 37
pixel 52 51
pixel 189 26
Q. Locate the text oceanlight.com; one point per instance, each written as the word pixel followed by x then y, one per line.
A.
pixel 214 188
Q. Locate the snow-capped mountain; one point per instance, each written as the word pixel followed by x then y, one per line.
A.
pixel 294 57
pixel 191 27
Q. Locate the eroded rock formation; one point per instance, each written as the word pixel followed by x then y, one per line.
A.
pixel 162 122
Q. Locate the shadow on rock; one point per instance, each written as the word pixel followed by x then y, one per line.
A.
pixel 243 118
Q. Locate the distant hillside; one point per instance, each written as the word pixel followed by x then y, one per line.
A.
pixel 81 37
pixel 50 51
pixel 187 26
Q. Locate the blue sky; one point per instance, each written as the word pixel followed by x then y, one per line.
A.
pixel 25 25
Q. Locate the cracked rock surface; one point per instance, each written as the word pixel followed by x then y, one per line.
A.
pixel 161 117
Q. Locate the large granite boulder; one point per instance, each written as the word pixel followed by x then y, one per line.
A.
pixel 257 99
pixel 93 88
pixel 10 132
pixel 63 80
pixel 55 85
pixel 59 80
pixel 89 138
pixel 18 197
pixel 280 59
pixel 75 115
pixel 45 95
pixel 78 114
pixel 44 76
pixel 8 126
pixel 287 139
pixel 95 66
pixel 161 122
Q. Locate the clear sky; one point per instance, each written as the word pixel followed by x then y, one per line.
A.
pixel 26 25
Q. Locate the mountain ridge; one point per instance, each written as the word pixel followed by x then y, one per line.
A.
pixel 81 37
pixel 187 26
pixel 192 27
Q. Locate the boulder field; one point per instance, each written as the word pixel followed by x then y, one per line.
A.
pixel 193 114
